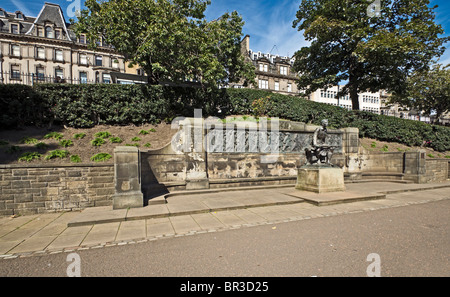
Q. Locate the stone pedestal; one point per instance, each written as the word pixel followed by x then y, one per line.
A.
pixel 128 193
pixel 320 179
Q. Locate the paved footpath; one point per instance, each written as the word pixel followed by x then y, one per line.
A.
pixel 198 213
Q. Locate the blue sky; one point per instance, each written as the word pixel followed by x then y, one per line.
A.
pixel 269 23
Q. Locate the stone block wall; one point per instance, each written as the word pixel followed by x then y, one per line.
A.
pixel 35 189
pixel 436 170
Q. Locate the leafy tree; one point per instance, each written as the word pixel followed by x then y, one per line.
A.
pixel 371 47
pixel 428 91
pixel 169 39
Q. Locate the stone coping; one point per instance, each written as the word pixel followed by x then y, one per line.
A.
pixel 15 166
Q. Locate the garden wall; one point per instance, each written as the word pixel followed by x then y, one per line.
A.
pixel 31 189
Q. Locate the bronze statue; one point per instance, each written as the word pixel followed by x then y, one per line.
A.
pixel 320 153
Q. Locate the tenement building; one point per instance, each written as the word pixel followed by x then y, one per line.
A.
pixel 273 72
pixel 46 49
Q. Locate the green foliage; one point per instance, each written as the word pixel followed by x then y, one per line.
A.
pixel 98 142
pixel 116 140
pixel 3 142
pixel 152 130
pixel 385 148
pixel 29 140
pixel 147 144
pixel 53 135
pixel 41 145
pixel 170 40
pixel 79 136
pixel 75 159
pixel 30 156
pixel 261 106
pixel 101 157
pixel 371 52
pixel 135 139
pixel 430 155
pixel 13 149
pixel 373 144
pixel 66 143
pixel 143 132
pixel 102 135
pixel 427 90
pixel 57 154
pixel 133 144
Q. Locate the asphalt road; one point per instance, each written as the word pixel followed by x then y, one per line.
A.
pixel 410 241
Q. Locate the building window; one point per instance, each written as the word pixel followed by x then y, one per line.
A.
pixel 82 38
pixel 277 86
pixel 289 88
pixel 19 15
pixel 2 13
pixel 15 50
pixel 98 61
pixel 40 53
pixel 115 63
pixel 263 67
pixel 48 32
pixel 14 29
pixel 59 55
pixel 40 73
pixel 40 32
pixel 106 78
pixel 58 34
pixel 83 59
pixel 263 84
pixel 59 73
pixel 83 78
pixel 15 72
pixel 283 70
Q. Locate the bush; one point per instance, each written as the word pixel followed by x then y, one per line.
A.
pixel 87 105
pixel 30 156
pixel 75 159
pixel 53 135
pixel 57 154
pixel 29 140
pixel 98 142
pixel 79 136
pixel 116 140
pixel 66 143
pixel 101 157
pixel 143 132
pixel 135 139
pixel 102 135
pixel 41 145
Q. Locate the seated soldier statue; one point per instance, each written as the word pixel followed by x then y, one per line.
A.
pixel 320 153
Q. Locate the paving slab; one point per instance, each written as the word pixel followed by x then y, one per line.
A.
pixel 148 212
pixel 184 224
pixel 67 241
pixel 35 243
pixel 102 233
pixel 207 221
pixel 131 230
pixel 105 216
pixel 159 227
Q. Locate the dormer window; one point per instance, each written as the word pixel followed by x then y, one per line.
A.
pixel 14 28
pixel 19 15
pixel 58 34
pixel 48 32
pixel 2 13
pixel 283 70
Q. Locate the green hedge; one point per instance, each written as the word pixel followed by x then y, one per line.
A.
pixel 84 106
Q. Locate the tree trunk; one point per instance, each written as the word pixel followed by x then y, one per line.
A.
pixel 353 86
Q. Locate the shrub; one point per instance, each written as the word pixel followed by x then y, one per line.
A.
pixel 143 132
pixel 41 145
pixel 385 148
pixel 152 130
pixel 101 157
pixel 116 140
pixel 102 135
pixel 53 135
pixel 135 139
pixel 79 136
pixel 147 144
pixel 29 140
pixel 134 144
pixel 29 156
pixel 373 144
pixel 98 142
pixel 13 149
pixel 66 143
pixel 57 154
pixel 75 159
